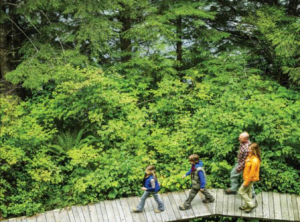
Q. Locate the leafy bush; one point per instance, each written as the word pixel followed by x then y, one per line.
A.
pixel 87 140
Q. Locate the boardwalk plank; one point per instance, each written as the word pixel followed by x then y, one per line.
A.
pixel 208 207
pixel 150 211
pixel 50 216
pixel 277 207
pixel 177 199
pixel 77 211
pixel 121 210
pixel 237 203
pixel 19 219
pixel 284 207
pixel 265 203
pixel 219 202
pixel 93 213
pixel 290 207
pixel 118 214
pixel 168 207
pixel 259 208
pixel 71 215
pixel 212 206
pixel 31 219
pixel 175 205
pixel 190 212
pixel 109 211
pixel 271 206
pixel 195 203
pixel 225 204
pixel 202 207
pixel 39 218
pixel 231 205
pixel 132 203
pixel 155 206
pixel 298 203
pixel 61 216
pixel 75 214
pixel 295 210
pixel 99 212
pixel 102 210
pixel 126 210
pixel 86 213
pixel 164 214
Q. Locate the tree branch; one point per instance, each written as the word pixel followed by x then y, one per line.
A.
pixel 24 34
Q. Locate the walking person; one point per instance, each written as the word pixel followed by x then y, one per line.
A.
pixel 150 187
pixel 198 182
pixel 240 165
pixel 250 176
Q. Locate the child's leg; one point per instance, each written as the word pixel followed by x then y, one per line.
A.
pixel 193 193
pixel 141 204
pixel 207 195
pixel 159 201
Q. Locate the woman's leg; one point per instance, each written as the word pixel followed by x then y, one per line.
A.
pixel 246 194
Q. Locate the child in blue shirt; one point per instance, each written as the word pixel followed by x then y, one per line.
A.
pixel 198 182
pixel 150 187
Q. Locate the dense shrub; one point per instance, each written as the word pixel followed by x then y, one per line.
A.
pixel 88 138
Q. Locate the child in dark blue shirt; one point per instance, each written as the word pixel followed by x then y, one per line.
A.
pixel 150 186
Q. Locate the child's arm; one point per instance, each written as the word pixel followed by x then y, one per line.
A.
pixel 189 172
pixel 202 179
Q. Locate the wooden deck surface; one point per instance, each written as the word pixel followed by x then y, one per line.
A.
pixel 271 206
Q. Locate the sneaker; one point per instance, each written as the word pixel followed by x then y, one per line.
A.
pixel 228 191
pixel 208 200
pixel 183 208
pixel 248 210
pixel 134 210
pixel 158 211
pixel 242 208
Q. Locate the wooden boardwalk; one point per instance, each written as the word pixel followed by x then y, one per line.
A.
pixel 271 206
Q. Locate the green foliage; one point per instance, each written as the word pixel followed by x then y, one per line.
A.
pixel 87 140
pixel 177 77
pixel 280 33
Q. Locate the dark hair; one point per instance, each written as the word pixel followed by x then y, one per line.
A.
pixel 255 150
pixel 194 158
pixel 152 169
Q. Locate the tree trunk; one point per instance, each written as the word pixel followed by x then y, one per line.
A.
pixel 125 44
pixel 292 7
pixel 179 43
pixel 4 55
